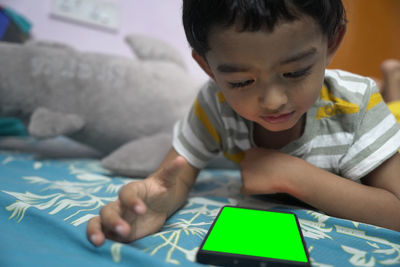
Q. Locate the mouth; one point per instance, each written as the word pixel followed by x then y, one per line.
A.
pixel 281 118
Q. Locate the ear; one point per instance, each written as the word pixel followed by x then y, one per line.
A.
pixel 335 42
pixel 203 64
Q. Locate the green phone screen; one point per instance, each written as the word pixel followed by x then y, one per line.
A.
pixel 257 233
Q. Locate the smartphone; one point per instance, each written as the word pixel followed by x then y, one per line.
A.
pixel 254 237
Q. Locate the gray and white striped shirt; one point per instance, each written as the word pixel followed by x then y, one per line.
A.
pixel 349 130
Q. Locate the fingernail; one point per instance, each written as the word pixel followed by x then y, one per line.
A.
pixel 139 209
pixel 94 238
pixel 120 230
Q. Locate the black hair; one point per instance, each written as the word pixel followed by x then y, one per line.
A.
pixel 199 16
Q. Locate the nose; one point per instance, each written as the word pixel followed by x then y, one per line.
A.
pixel 273 98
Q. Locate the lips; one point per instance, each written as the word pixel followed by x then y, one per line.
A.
pixel 281 118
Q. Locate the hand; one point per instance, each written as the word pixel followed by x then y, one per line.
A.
pixel 141 209
pixel 268 171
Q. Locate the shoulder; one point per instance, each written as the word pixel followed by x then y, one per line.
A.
pixel 345 99
pixel 211 93
pixel 350 87
pixel 347 93
pixel 211 99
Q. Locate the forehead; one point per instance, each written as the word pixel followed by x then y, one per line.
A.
pixel 230 44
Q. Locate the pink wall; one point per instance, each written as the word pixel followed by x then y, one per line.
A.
pixel 158 18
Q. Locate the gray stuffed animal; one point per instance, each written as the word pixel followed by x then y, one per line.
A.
pixel 125 108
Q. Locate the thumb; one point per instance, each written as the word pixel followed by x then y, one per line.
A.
pixel 168 173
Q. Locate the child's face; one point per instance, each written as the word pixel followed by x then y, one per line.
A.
pixel 269 78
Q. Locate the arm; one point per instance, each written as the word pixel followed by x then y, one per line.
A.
pixel 180 180
pixel 377 201
pixel 142 207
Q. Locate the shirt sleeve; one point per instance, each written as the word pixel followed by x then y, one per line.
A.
pixel 376 137
pixel 196 136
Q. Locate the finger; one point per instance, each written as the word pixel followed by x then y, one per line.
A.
pixel 94 233
pixel 131 214
pixel 131 203
pixel 169 173
pixel 113 222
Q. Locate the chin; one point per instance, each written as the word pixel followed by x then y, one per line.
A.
pixel 277 127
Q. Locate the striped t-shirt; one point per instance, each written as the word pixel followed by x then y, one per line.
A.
pixel 349 130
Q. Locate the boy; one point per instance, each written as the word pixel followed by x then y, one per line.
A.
pixel 271 107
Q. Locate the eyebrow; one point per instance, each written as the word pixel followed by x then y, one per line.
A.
pixel 232 68
pixel 302 55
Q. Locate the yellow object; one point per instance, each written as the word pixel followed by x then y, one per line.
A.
pixel 374 100
pixel 338 106
pixel 395 109
pixel 202 116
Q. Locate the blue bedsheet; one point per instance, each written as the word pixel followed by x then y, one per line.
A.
pixel 45 205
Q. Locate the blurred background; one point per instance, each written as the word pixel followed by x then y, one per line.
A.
pixel 51 20
pixel 373 28
pixel 373 35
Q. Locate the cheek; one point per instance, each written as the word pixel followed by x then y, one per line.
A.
pixel 234 101
pixel 306 97
pixel 240 103
pixel 309 91
pixel 232 97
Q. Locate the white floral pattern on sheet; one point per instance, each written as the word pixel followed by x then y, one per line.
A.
pixel 73 191
pixel 81 193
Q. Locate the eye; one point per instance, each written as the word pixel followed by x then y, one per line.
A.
pixel 241 84
pixel 297 74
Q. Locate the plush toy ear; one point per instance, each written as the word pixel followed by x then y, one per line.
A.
pixel 148 48
pixel 46 123
pixel 139 158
